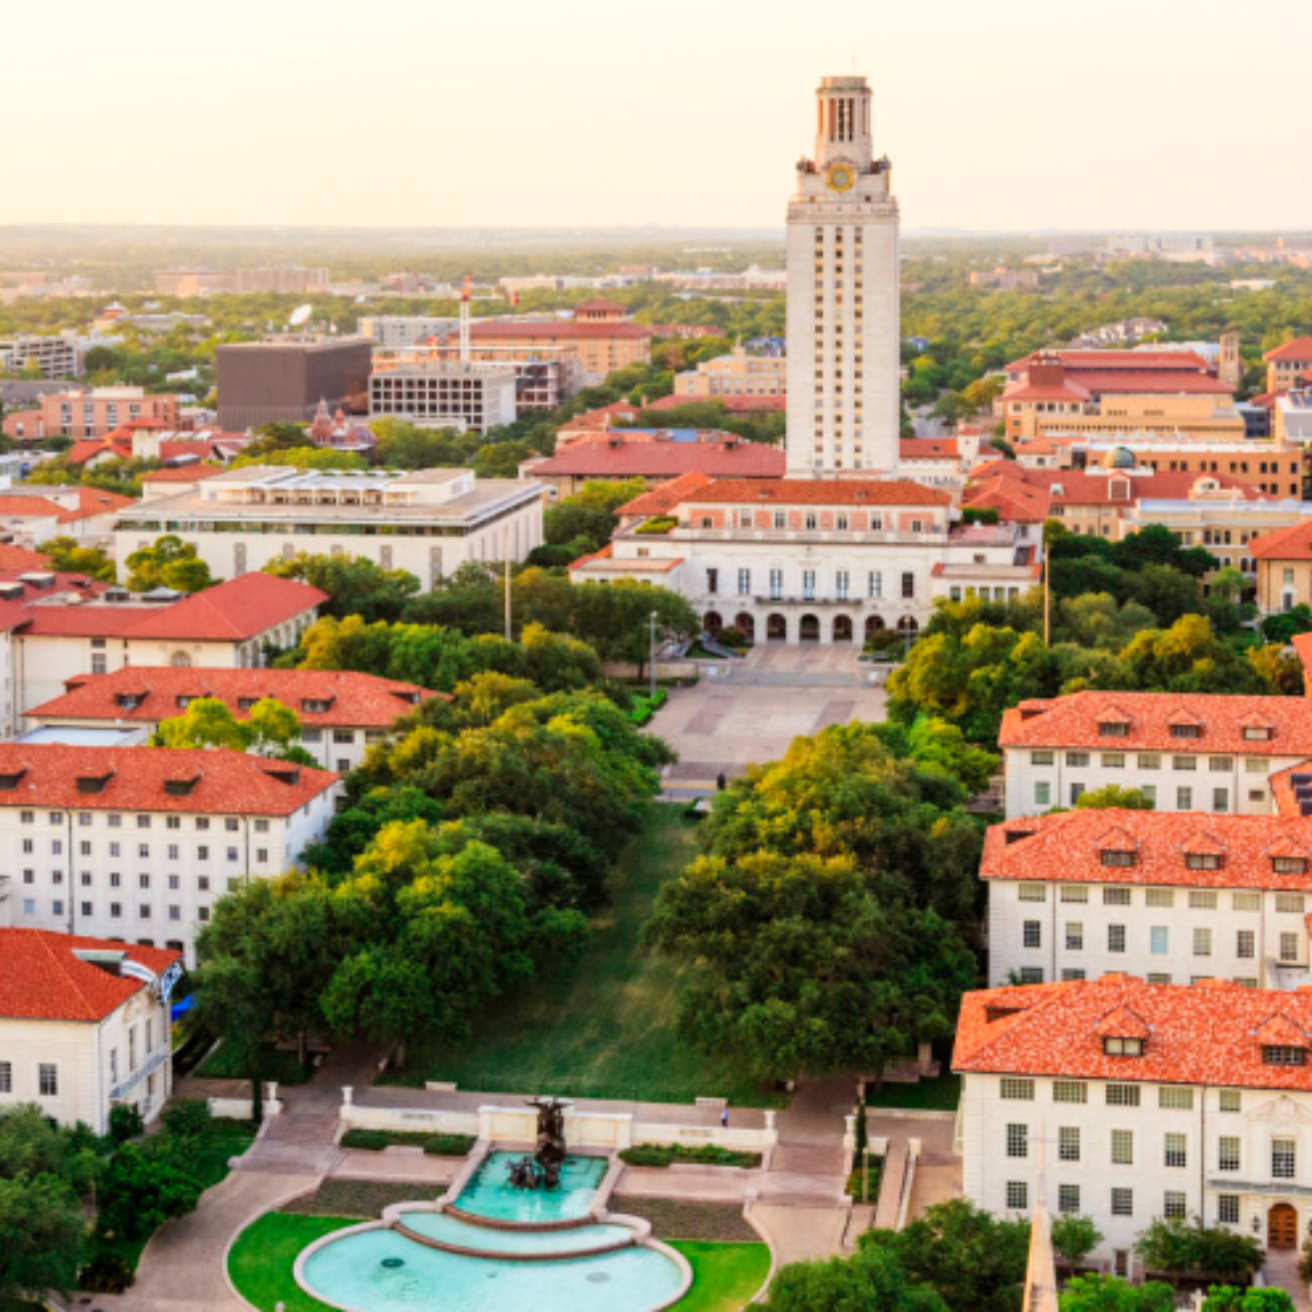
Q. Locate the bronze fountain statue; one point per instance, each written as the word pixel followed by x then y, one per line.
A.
pixel 542 1170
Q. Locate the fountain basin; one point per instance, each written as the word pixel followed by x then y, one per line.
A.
pixel 452 1234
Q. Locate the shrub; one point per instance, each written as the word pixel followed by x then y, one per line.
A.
pixel 1180 1247
pixel 1075 1237
pixel 662 1155
pixel 125 1122
pixel 373 1141
pixel 449 1145
pixel 1226 1298
pixel 188 1118
pixel 140 1192
pixel 658 524
pixel 106 1273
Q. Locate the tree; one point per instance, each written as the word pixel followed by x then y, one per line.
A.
pixel 41 1235
pixel 974 1260
pixel 589 514
pixel 1095 1293
pixel 1180 1247
pixel 70 555
pixel 795 963
pixel 1113 795
pixel 207 722
pixel 1226 1298
pixel 1074 1237
pixel 142 1190
pixel 170 563
pixel 1282 628
pixel 869 1281
pixel 303 457
pixel 355 585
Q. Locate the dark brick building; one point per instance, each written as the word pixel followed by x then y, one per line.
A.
pixel 283 379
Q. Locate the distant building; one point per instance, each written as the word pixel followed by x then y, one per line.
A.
pixel 84 1024
pixel 287 279
pixel 1292 416
pixel 424 389
pixel 90 412
pixel 1289 366
pixel 56 357
pixel 1005 280
pixel 428 521
pixel 736 374
pixel 600 336
pixel 1284 567
pixel 397 332
pixel 1174 247
pixel 282 379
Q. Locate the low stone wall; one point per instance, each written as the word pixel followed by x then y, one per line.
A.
pixel 410 1120
pixel 230 1109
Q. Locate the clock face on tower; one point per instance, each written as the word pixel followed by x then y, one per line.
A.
pixel 839 177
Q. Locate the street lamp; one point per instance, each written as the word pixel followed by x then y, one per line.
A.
pixel 652 662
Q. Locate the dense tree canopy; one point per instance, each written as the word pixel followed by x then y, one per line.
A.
pixel 169 563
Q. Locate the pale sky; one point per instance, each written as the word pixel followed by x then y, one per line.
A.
pixel 997 114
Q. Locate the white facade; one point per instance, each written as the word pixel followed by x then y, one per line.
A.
pixel 842 256
pixel 428 522
pixel 1175 1153
pixel 78 1070
pixel 1040 932
pixel 426 390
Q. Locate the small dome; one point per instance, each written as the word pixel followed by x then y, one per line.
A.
pixel 1119 458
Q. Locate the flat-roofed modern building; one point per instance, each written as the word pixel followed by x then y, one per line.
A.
pixel 283 379
pixel 426 521
pixel 424 389
pixel 56 357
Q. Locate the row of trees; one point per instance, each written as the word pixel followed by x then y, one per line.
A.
pixel 827 924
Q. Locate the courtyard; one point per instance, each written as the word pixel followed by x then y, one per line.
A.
pixel 747 711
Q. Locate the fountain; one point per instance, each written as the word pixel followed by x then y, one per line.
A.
pixel 542 1170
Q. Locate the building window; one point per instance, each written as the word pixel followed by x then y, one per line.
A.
pixel 1017 1090
pixel 776 584
pixel 1043 794
pixel 1246 944
pixel 1202 900
pixel 1032 892
pixel 1159 897
pixel 908 586
pixel 1175 1097
pixel 1202 942
pixel 47 1080
pixel 1068 1198
pixel 1070 1091
pixel 1018 1141
pixel 6 1077
pixel 1229 1100
pixel 1032 934
pixel 1018 1195
pixel 1116 897
pixel 1227 1152
pixel 1122 1147
pixel 1115 938
pixel 1292 902
pixel 1074 936
pixel 876 584
pixel 1284 1159
pixel 1122 1095
pixel 1173 1205
pixel 1227 1209
pixel 712 584
pixel 1068 1143
pixel 1074 893
pixel 1288 947
pixel 1176 1151
pixel 1122 1202
pixel 744 582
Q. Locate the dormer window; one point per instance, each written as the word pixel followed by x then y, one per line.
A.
pixel 181 787
pixel 129 701
pixel 246 703
pixel 1119 1046
pixel 1186 731
pixel 10 781
pixel 1202 861
pixel 1257 733
pixel 1283 1054
pixel 184 701
pixel 93 783
pixel 1289 865
pixel 316 705
pixel 1115 856
pixel 1113 729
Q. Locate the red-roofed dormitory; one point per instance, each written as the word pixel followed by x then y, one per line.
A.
pixel 84 1025
pixel 137 843
pixel 342 712
pixel 1125 1101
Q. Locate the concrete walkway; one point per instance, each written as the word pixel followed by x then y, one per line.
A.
pixel 1281 1272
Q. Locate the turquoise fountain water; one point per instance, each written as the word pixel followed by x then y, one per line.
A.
pixel 526 1251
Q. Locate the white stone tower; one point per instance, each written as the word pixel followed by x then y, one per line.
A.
pixel 843 336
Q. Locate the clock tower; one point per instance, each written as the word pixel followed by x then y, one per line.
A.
pixel 844 410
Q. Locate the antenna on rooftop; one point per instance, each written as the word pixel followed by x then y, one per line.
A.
pixel 464 318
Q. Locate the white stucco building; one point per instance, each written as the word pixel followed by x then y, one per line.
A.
pixel 1172 898
pixel 342 712
pixel 1186 751
pixel 136 844
pixel 427 521
pixel 1146 1100
pixel 84 1025
pixel 844 343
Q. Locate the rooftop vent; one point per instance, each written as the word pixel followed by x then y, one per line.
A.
pixel 11 591
pixel 93 783
pixel 38 579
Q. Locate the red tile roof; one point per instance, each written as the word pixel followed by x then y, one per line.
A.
pixel 21 560
pixel 557 330
pixel 929 448
pixel 600 418
pixel 357 700
pixel 1293 542
pixel 1073 721
pixel 1118 361
pixel 234 611
pixel 665 497
pixel 182 474
pixel 818 492
pixel 1066 847
pixel 1063 391
pixel 1210 1034
pixel 1296 352
pixel 662 459
pixel 90 501
pixel 45 979
pixel 1303 646
pixel 1079 487
pixel 222 782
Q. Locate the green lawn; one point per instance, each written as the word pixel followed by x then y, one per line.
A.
pixel 941 1094
pixel 279 1064
pixel 608 1028
pixel 725 1276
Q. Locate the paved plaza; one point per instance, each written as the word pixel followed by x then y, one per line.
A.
pixel 749 711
